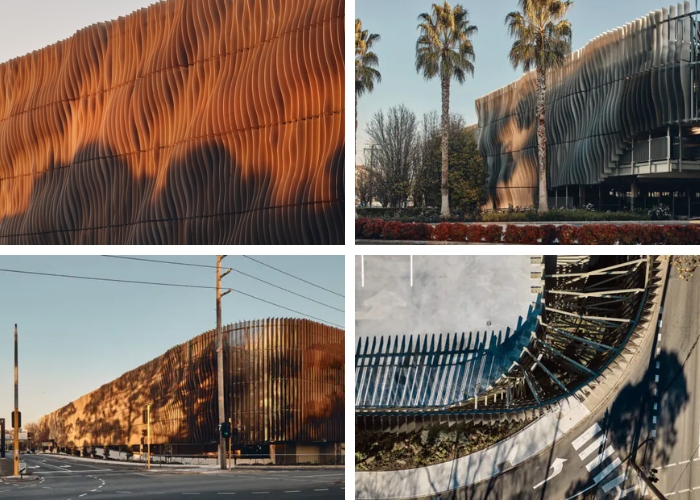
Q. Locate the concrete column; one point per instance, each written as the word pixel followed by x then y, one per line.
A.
pixel 634 192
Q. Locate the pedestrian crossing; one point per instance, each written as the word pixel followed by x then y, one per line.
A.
pixel 593 440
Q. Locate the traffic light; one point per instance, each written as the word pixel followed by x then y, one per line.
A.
pixel 225 429
pixel 19 422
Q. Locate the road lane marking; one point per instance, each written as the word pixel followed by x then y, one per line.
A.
pixel 671 465
pixel 293 491
pixel 362 259
pixel 587 434
pixel 597 461
pixel 614 483
pixel 259 492
pixel 411 270
pixel 321 489
pixel 684 462
pixel 602 474
pixel 684 491
pixel 599 441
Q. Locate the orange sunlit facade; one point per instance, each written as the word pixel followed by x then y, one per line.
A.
pixel 284 386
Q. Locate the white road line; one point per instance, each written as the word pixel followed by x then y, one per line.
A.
pixel 362 259
pixel 82 495
pixel 293 491
pixel 600 458
pixel 696 488
pixel 614 483
pixel 321 489
pixel 671 465
pixel 602 474
pixel 411 270
pixel 191 493
pixel 595 445
pixel 684 462
pixel 225 493
pixel 684 491
pixel 587 434
pixel 259 492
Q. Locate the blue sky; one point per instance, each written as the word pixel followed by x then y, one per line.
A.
pixel 76 335
pixel 28 25
pixel 395 21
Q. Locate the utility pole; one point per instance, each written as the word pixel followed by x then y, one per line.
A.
pixel 229 446
pixel 16 413
pixel 148 435
pixel 220 359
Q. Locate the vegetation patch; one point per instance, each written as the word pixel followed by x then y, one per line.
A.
pixel 436 444
pixel 541 234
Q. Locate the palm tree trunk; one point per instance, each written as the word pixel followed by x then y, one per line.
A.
pixel 445 188
pixel 355 117
pixel 542 139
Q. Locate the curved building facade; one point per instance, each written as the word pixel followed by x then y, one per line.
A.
pixel 283 385
pixel 591 310
pixel 187 122
pixel 623 122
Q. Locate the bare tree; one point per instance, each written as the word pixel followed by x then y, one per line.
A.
pixel 395 136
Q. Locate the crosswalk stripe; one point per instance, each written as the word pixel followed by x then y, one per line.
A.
pixel 602 474
pixel 587 434
pixel 600 458
pixel 614 483
pixel 595 445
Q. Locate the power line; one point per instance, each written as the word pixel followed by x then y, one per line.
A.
pixel 289 291
pixel 112 280
pixel 159 261
pixel 295 277
pixel 155 283
pixel 283 307
pixel 233 269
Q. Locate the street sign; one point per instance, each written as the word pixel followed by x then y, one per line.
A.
pixel 22 468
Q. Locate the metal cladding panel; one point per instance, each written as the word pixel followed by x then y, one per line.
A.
pixel 284 382
pixel 633 79
pixel 187 122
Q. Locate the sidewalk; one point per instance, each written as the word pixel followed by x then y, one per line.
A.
pixel 205 468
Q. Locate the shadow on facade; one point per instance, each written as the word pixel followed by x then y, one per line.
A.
pixel 201 197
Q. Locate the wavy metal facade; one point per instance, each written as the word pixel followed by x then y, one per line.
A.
pixel 284 383
pixel 591 307
pixel 621 107
pixel 187 122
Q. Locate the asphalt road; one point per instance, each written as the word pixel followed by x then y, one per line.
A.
pixel 677 450
pixel 593 460
pixel 65 478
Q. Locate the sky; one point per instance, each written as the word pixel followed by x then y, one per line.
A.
pixel 396 20
pixel 75 335
pixel 28 25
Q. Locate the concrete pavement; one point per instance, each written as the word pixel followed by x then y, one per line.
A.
pixel 62 478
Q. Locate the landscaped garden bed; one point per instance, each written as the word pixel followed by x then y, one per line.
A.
pixel 543 234
pixel 389 451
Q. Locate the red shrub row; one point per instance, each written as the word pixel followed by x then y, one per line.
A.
pixel 546 234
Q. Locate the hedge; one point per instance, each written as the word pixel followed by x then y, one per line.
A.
pixel 415 214
pixel 546 234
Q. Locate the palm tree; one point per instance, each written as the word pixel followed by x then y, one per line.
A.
pixel 444 47
pixel 543 41
pixel 365 63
